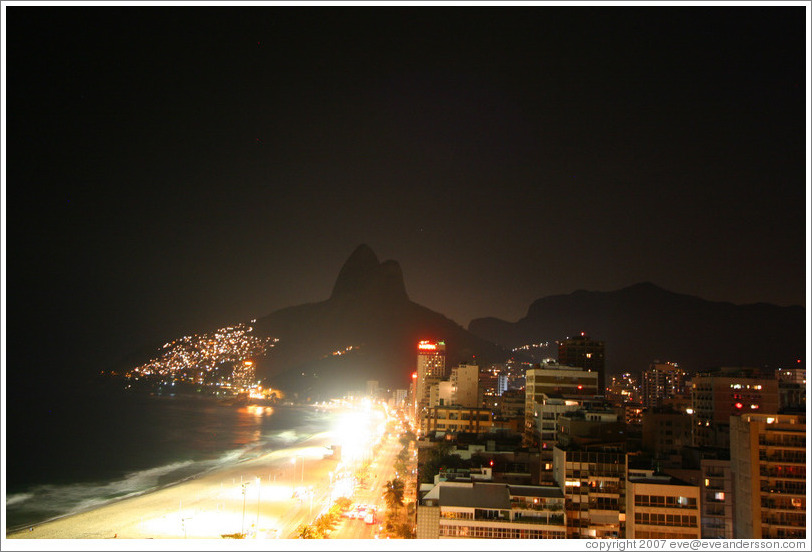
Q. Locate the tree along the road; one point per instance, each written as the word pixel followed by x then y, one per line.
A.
pixel 343 503
pixel 325 523
pixel 394 493
pixel 306 532
pixel 407 437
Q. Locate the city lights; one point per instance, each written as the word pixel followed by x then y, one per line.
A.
pixel 207 359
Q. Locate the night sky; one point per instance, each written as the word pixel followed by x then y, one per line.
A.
pixel 176 169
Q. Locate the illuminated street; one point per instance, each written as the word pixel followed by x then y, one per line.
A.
pixel 381 470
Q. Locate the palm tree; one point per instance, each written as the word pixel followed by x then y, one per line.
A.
pixel 394 493
pixel 306 532
pixel 324 524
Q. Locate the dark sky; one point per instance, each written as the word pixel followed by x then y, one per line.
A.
pixel 172 170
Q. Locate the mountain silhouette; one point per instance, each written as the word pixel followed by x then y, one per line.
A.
pixel 643 323
pixel 370 320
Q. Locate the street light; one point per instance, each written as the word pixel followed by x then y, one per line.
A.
pixel 258 489
pixel 244 486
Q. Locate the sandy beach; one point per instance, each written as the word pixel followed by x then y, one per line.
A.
pixel 213 504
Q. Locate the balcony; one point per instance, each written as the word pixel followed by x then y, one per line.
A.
pixel 550 507
pixel 789 457
pixel 553 519
pixel 775 489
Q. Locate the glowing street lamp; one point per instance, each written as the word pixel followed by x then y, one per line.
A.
pixel 244 486
pixel 257 526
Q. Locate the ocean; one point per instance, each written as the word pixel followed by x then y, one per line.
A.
pixel 93 447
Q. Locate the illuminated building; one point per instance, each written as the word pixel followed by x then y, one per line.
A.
pixel 502 384
pixel 768 461
pixel 622 389
pixel 792 375
pixel 413 397
pixel 662 507
pixel 719 394
pixel 474 510
pixel 465 385
pixel 456 419
pixel 441 393
pixel 430 366
pixel 717 498
pixel 634 413
pixel 792 389
pixel 586 353
pixel 243 376
pixel 594 484
pixel 554 380
pixel 662 380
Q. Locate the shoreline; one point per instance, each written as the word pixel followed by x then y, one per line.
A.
pixel 205 505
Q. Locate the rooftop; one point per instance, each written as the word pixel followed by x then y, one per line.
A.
pixel 492 496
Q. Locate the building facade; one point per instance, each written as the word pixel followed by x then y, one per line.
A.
pixel 456 419
pixel 465 385
pixel 491 511
pixel 662 380
pixel 430 369
pixel 594 485
pixel 717 498
pixel 586 353
pixel 662 507
pixel 717 395
pixel 768 462
pixel 558 380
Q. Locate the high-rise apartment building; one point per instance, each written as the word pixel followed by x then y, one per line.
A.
pixel 717 395
pixel 662 380
pixel 552 379
pixel 502 384
pixel 586 353
pixel 768 462
pixel 717 498
pixel 594 485
pixel 430 369
pixel 465 385
pixel 792 388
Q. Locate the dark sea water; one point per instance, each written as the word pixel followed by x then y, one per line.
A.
pixel 71 453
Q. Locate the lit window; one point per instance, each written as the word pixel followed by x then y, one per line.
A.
pixel 719 496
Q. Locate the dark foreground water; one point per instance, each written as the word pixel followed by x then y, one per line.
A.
pixel 74 452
